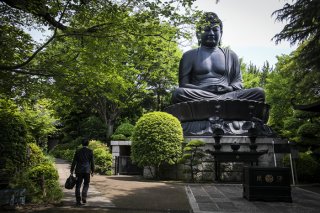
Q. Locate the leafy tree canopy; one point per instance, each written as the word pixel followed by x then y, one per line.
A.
pixel 63 18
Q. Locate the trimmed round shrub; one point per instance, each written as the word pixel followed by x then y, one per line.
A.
pixel 125 129
pixel 156 140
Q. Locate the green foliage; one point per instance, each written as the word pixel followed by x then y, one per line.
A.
pixel 192 157
pixel 103 160
pixel 279 92
pixel 40 121
pixel 253 76
pixel 123 132
pixel 25 162
pixel 43 170
pixel 102 155
pixel 250 76
pixel 35 154
pixel 66 150
pixel 290 127
pixel 125 129
pixel 40 177
pixel 288 81
pixel 93 127
pixel 195 143
pixel 302 26
pixel 307 167
pixel 13 134
pixel 309 130
pixel 156 140
pixel 119 137
pixel 95 144
pixel 41 183
pixel 66 154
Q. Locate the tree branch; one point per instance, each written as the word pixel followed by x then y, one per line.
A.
pixel 13 67
pixel 29 73
pixel 37 9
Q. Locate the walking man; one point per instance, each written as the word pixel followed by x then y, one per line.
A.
pixel 83 165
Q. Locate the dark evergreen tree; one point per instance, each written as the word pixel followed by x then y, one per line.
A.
pixel 303 19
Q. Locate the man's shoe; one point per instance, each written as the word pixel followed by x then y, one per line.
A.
pixel 79 204
pixel 84 200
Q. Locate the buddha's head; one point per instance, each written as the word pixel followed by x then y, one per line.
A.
pixel 209 30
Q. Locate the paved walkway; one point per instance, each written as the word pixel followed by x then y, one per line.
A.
pixel 124 194
pixel 95 198
pixel 133 194
pixel 212 198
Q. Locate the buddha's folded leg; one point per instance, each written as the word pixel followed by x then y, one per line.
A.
pixel 255 94
pixel 187 94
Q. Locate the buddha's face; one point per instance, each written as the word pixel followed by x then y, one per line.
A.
pixel 210 35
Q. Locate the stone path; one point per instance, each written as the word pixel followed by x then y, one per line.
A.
pixel 96 199
pixel 214 198
pixel 115 194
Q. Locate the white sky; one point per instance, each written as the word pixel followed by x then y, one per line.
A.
pixel 248 28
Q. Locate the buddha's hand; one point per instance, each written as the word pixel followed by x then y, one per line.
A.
pixel 224 89
pixel 220 89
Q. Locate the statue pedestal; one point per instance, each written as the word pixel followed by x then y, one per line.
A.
pixel 223 125
pixel 235 117
pixel 227 165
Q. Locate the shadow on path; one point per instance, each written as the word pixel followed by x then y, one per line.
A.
pixel 121 194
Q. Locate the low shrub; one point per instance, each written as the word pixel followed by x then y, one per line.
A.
pixel 119 137
pixel 41 183
pixel 66 150
pixel 44 171
pixel 34 154
pixel 95 144
pixel 102 155
pixel 103 160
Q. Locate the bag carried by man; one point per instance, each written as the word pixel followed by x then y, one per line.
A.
pixel 70 182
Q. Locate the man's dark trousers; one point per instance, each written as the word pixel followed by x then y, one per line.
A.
pixel 85 178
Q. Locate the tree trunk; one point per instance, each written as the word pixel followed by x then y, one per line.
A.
pixel 110 125
pixel 158 102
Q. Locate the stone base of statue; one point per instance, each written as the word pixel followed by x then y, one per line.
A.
pixel 234 117
pixel 225 163
pixel 235 135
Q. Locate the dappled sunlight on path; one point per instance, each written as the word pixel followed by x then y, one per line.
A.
pixel 95 198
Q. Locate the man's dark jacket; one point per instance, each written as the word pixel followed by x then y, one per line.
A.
pixel 83 161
